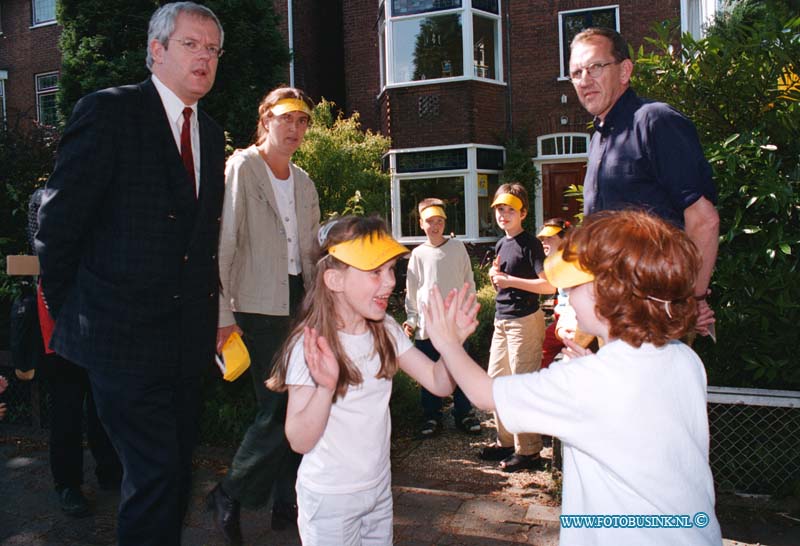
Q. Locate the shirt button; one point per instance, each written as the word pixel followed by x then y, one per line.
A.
pixel 286 218
pixel 289 239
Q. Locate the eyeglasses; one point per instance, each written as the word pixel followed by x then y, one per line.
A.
pixel 195 47
pixel 595 70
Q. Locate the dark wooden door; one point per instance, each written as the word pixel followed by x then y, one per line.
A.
pixel 556 178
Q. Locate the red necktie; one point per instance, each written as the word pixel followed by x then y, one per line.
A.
pixel 186 148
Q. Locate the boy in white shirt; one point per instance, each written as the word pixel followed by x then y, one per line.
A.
pixel 632 417
pixel 439 261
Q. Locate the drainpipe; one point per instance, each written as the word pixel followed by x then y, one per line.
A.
pixel 290 23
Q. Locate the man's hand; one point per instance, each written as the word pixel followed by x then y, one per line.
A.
pixel 408 329
pixel 705 318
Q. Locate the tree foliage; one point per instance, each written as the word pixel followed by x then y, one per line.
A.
pixel 345 163
pixel 520 168
pixel 103 44
pixel 740 87
pixel 26 155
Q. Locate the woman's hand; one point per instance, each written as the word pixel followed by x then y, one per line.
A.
pixel 321 362
pixel 224 333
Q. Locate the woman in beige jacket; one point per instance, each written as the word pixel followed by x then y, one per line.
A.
pixel 270 218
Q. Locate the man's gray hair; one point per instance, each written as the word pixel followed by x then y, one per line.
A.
pixel 162 23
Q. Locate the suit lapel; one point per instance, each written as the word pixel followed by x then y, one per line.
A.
pixel 177 178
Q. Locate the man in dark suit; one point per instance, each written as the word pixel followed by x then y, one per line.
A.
pixel 127 240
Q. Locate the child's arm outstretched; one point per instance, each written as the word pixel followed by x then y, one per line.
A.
pixel 309 407
pixel 434 375
pixel 442 324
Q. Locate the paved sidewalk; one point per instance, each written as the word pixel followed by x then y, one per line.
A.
pixel 30 515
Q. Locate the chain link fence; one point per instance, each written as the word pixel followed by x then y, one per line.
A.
pixel 755 439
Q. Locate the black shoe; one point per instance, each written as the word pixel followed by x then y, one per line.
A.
pixel 226 515
pixel 73 503
pixel 468 424
pixel 430 428
pixel 283 516
pixel 495 452
pixel 517 462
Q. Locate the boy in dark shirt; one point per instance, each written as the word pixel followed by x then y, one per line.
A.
pixel 518 275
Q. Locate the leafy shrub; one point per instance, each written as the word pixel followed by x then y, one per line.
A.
pixel 345 163
pixel 739 86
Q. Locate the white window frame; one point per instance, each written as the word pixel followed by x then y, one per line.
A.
pixel 3 78
pixel 35 22
pixel 470 175
pixel 563 76
pixel 707 12
pixel 44 92
pixel 467 43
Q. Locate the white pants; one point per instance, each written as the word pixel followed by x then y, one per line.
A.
pixel 363 518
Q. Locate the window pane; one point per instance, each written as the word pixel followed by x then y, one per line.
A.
pixel 579 145
pixel 486 5
pixel 44 11
pixel 47 81
pixel 410 7
pixel 449 189
pixel 48 114
pixel 435 160
pixel 489 159
pixel 483 47
pixel 573 23
pixel 426 48
pixel 487 185
pixel 549 146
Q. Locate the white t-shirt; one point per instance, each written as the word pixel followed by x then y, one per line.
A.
pixel 353 452
pixel 446 265
pixel 284 197
pixel 634 425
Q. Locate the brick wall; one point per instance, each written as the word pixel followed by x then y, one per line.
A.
pixel 25 52
pixel 442 114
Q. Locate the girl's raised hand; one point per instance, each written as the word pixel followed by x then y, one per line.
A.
pixel 321 362
pixel 450 321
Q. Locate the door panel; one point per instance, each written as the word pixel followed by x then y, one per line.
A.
pixel 556 178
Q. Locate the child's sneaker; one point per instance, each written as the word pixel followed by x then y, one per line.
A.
pixel 468 424
pixel 429 428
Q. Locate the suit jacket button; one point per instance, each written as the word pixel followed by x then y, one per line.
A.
pixel 185 258
pixel 213 256
pixel 176 297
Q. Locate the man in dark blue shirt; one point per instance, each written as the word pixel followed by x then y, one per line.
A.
pixel 643 155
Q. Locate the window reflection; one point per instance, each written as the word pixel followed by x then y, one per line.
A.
pixel 428 47
pixel 449 189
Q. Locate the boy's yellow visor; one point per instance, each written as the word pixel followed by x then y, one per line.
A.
pixel 507 199
pixel 290 105
pixel 563 274
pixel 368 252
pixel 433 210
pixel 548 231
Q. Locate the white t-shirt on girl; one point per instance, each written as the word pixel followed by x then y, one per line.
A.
pixel 635 430
pixel 353 452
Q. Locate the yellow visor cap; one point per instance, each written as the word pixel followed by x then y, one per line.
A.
pixel 433 210
pixel 507 199
pixel 563 274
pixel 235 357
pixel 290 105
pixel 368 252
pixel 548 231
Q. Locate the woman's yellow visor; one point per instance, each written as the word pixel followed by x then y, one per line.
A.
pixel 290 105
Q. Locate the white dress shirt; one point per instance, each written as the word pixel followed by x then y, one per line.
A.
pixel 174 106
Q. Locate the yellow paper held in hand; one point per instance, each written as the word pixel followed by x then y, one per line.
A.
pixel 235 359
